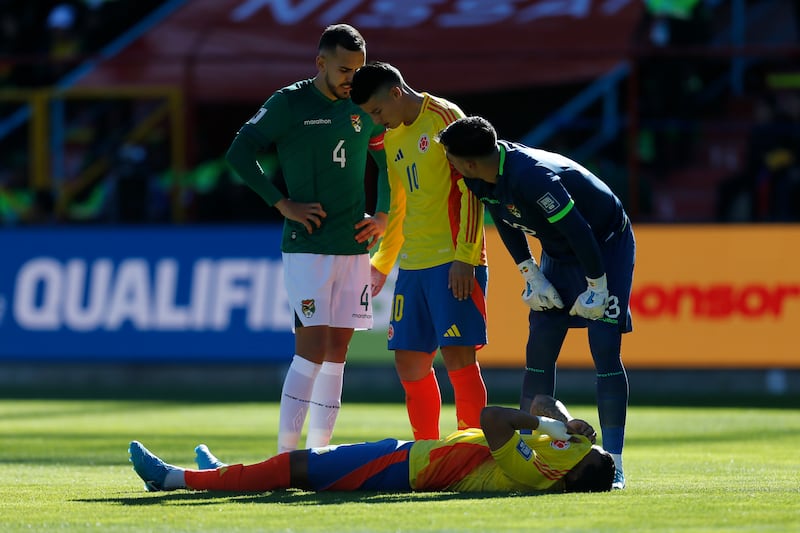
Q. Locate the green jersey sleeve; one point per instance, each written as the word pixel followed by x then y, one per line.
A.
pixel 255 136
pixel 378 153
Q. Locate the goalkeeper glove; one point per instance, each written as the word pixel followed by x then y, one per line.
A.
pixel 553 427
pixel 539 293
pixel 592 302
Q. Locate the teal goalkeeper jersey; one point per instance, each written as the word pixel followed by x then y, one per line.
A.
pixel 322 147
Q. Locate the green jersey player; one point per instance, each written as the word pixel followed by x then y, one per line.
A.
pixel 322 140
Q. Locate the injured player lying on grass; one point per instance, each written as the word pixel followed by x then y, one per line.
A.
pixel 558 456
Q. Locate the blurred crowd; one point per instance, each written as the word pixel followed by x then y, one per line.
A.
pixel 49 38
pixel 702 154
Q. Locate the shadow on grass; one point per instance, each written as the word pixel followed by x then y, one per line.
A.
pixel 297 497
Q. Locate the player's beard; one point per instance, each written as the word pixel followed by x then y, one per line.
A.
pixel 339 91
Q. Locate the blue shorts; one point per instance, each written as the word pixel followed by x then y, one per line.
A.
pixel 426 315
pixel 377 466
pixel 569 279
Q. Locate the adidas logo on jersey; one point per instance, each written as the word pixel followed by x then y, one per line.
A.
pixel 399 155
pixel 452 331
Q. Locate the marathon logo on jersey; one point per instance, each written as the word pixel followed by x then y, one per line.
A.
pixel 513 210
pixel 309 307
pixel 317 122
pixel 355 120
pixel 524 450
pixel 548 203
pixel 424 143
pixel 560 444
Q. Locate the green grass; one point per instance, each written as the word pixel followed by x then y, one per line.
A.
pixel 64 466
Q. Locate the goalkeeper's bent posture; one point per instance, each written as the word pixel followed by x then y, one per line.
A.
pixel 558 457
pixel 588 251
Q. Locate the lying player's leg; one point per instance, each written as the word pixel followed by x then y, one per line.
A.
pixel 272 474
pixel 381 465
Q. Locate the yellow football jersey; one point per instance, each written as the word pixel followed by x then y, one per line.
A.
pixel 463 462
pixel 433 218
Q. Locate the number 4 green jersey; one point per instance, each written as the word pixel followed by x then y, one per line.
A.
pixel 322 147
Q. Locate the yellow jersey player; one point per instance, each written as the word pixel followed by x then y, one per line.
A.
pixel 559 456
pixel 435 228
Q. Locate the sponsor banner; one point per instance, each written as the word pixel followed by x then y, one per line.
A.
pixel 703 297
pixel 138 294
pixel 233 50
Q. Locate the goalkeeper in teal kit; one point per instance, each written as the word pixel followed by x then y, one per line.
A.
pixel 322 140
pixel 587 261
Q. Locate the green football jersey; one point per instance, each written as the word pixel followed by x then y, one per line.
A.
pixel 322 147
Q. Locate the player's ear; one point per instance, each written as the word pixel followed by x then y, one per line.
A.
pixel 320 63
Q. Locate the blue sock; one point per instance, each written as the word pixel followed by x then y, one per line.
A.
pixel 612 407
pixel 613 438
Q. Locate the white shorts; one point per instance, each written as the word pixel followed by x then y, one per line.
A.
pixel 329 290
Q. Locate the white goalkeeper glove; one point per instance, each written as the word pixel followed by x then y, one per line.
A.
pixel 539 293
pixel 592 302
pixel 553 427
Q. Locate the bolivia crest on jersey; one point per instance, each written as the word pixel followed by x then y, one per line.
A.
pixel 513 210
pixel 355 120
pixel 309 307
pixel 424 143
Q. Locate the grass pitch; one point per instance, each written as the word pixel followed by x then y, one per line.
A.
pixel 64 466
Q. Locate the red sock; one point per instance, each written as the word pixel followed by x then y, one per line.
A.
pixel 470 395
pixel 260 477
pixel 423 403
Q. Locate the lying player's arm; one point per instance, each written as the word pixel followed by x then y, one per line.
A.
pixel 545 405
pixel 500 424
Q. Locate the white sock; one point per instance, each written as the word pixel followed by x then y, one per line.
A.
pixel 617 461
pixel 295 398
pixel 325 402
pixel 175 479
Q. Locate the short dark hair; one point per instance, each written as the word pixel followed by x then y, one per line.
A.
pixel 371 78
pixel 343 35
pixel 469 137
pixel 596 475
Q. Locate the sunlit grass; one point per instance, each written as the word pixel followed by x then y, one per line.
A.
pixel 64 465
